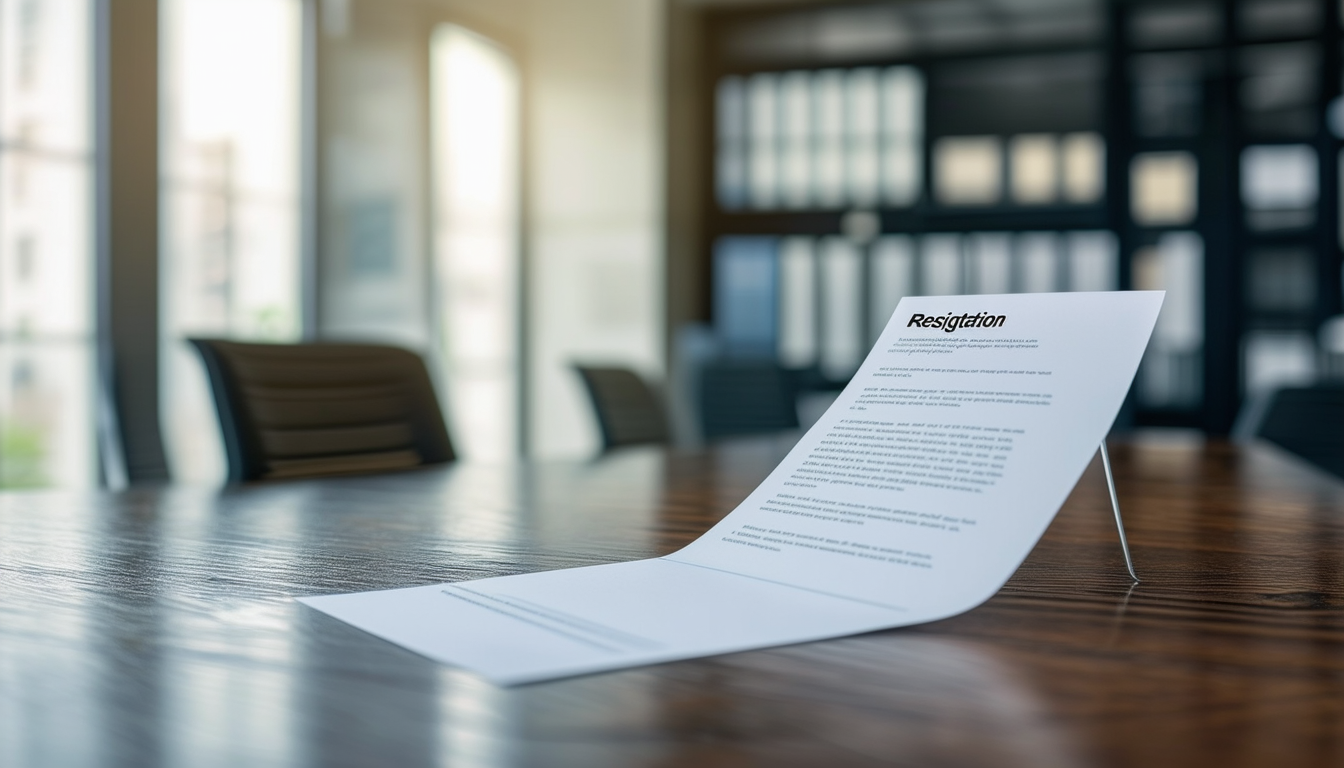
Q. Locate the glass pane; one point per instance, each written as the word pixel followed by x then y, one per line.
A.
pixel 1093 261
pixel 1279 176
pixel 968 170
pixel 45 92
pixel 1084 165
pixel 940 272
pixel 1163 189
pixel 903 172
pixel 46 247
pixel 46 286
pixel 1038 262
pixel 763 122
pixel 229 197
pixel 1034 168
pixel 1273 359
pixel 990 263
pixel 902 103
pixel 797 302
pixel 842 328
pixel 1278 18
pixel 1339 166
pixel 1279 186
pixel 46 414
pixel 1172 367
pixel 475 132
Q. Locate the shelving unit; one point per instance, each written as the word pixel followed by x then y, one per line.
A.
pixel 1217 87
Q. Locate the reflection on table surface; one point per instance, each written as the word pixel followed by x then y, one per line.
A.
pixel 156 627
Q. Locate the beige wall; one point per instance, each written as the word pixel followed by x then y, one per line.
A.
pixel 595 204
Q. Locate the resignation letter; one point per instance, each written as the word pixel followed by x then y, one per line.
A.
pixel 915 497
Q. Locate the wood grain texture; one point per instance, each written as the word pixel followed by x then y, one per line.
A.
pixel 156 627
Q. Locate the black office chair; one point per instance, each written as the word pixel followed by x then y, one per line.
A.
pixel 305 410
pixel 1306 421
pixel 628 412
pixel 743 397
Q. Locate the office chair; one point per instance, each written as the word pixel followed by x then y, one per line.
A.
pixel 741 397
pixel 1331 336
pixel 628 412
pixel 305 410
pixel 1306 421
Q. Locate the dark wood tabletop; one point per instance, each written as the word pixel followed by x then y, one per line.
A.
pixel 157 627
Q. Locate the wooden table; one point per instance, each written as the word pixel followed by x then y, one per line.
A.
pixel 156 627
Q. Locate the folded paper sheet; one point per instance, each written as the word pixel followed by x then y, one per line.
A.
pixel 914 498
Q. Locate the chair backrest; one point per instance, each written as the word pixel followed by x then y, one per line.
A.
pixel 1331 337
pixel 628 411
pixel 304 410
pixel 1307 421
pixel 746 397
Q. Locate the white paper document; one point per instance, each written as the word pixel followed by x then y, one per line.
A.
pixel 914 498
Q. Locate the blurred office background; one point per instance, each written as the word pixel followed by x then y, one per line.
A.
pixel 510 187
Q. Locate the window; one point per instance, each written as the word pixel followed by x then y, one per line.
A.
pixel 1273 359
pixel 1163 189
pixel 475 149
pixel 1041 169
pixel 1035 168
pixel 46 297
pixel 968 170
pixel 1171 374
pixel 1084 167
pixel 892 278
pixel 797 302
pixel 230 261
pixel 1279 186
